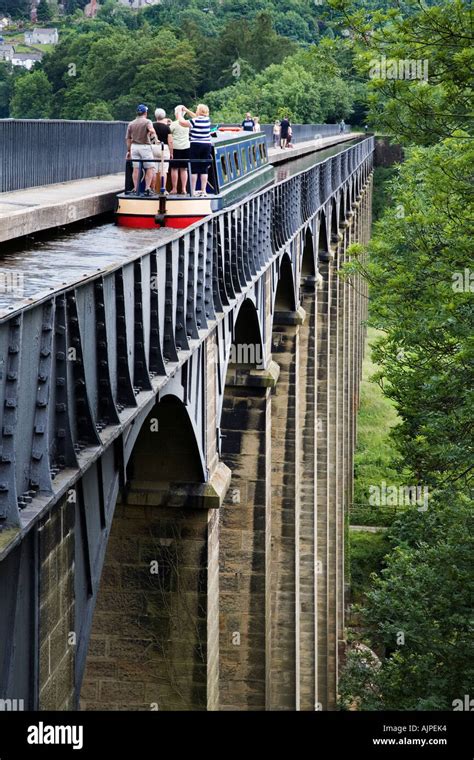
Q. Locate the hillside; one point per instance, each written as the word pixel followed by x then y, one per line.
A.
pixel 269 57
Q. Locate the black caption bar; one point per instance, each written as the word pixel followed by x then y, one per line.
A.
pixel 135 735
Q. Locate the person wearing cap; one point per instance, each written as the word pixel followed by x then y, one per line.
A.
pixel 140 133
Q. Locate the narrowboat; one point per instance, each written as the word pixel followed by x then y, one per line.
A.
pixel 239 167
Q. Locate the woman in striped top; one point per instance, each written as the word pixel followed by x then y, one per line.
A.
pixel 201 144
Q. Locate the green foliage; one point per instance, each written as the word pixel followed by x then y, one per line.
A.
pixel 382 196
pixel 376 454
pixel 254 42
pixel 73 5
pixel 180 50
pixel 292 25
pixel 98 111
pixel 32 96
pixel 155 69
pixel 414 110
pixel 367 551
pixel 420 611
pixel 306 87
pixel 8 75
pixel 17 9
pixel 44 12
pixel 427 353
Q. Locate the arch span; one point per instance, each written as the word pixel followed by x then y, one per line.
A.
pixel 308 264
pixel 150 641
pixel 323 247
pixel 285 296
pixel 166 448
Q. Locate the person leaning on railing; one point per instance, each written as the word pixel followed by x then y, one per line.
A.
pixel 140 132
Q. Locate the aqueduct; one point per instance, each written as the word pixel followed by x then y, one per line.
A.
pixel 177 437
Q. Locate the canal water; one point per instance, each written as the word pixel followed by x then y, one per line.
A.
pixel 34 266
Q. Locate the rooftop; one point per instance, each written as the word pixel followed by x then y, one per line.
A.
pixel 28 56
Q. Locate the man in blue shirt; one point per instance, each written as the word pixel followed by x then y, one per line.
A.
pixel 248 124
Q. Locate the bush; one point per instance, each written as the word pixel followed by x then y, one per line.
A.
pixel 367 552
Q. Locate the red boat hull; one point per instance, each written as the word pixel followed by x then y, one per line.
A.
pixel 149 223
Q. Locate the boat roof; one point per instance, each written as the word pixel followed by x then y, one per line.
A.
pixel 223 138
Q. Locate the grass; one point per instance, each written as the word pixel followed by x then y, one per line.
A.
pixel 18 41
pixel 373 463
pixel 375 451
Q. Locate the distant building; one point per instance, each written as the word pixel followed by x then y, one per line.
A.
pixel 139 3
pixel 26 60
pixel 4 22
pixel 6 52
pixel 42 37
pixel 91 9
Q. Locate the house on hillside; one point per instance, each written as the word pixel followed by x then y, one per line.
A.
pixel 26 60
pixel 139 3
pixel 4 23
pixel 6 52
pixel 42 36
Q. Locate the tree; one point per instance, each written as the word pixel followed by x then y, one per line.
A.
pixel 44 12
pixel 290 24
pixel 420 614
pixel 440 39
pixel 98 111
pixel 306 88
pixel 32 97
pixel 15 8
pixel 73 5
pixel 8 75
pixel 421 301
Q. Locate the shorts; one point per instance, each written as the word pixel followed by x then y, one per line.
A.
pixel 200 151
pixel 143 152
pixel 156 150
pixel 180 158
